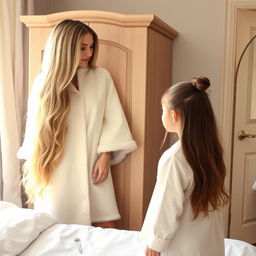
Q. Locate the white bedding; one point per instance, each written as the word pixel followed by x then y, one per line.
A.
pixel 59 240
pixel 28 233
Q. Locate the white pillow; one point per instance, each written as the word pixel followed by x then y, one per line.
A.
pixel 238 248
pixel 19 227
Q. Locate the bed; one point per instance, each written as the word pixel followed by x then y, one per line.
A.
pixel 25 232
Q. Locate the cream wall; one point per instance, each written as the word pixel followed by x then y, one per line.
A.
pixel 201 23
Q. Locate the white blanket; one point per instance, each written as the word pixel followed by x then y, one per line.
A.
pixel 60 240
pixel 25 232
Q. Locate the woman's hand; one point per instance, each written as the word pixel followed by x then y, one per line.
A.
pixel 150 252
pixel 101 168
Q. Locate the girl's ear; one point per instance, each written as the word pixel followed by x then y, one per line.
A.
pixel 175 115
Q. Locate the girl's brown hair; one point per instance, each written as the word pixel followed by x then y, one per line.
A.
pixel 200 143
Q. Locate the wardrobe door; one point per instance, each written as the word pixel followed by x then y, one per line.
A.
pixel 122 51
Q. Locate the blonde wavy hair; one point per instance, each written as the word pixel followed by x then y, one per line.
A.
pixel 59 66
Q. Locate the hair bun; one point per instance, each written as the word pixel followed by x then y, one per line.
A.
pixel 201 83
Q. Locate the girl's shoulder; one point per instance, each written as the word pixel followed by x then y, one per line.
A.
pixel 173 162
pixel 174 156
pixel 173 151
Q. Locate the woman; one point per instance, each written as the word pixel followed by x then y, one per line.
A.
pixel 75 128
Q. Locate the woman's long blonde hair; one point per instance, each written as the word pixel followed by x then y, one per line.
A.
pixel 59 66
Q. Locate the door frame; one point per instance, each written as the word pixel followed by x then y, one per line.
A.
pixel 227 100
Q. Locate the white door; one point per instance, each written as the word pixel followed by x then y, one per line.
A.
pixel 243 192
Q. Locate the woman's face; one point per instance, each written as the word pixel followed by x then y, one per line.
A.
pixel 86 50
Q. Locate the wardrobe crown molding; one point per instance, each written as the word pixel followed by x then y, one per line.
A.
pixel 91 16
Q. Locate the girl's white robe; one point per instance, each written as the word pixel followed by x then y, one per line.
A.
pixel 96 123
pixel 169 226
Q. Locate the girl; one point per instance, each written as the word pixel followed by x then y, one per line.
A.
pixel 75 128
pixel 184 216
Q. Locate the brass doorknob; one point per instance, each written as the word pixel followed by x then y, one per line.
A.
pixel 242 135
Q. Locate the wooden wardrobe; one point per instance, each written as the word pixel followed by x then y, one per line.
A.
pixel 137 50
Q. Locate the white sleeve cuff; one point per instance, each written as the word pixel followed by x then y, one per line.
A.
pixel 118 151
pixel 156 243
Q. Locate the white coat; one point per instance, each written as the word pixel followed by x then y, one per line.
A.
pixel 168 226
pixel 96 123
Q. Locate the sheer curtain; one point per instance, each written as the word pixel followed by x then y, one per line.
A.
pixel 13 94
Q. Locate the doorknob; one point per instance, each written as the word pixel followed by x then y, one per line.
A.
pixel 242 135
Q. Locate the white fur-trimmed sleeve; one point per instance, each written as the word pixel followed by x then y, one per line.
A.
pixel 115 135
